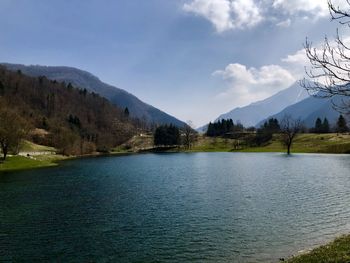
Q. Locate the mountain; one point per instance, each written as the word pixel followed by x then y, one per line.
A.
pixel 72 120
pixel 84 79
pixel 252 114
pixel 309 109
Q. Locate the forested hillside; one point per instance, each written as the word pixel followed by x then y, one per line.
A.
pixel 72 120
pixel 119 97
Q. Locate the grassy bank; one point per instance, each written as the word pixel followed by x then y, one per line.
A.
pixel 304 143
pixel 17 163
pixel 337 251
pixel 310 143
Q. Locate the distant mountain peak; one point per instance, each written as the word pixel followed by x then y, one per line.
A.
pixel 253 113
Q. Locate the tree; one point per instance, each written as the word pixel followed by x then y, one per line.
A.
pixel 265 132
pixel 12 130
pixel 341 125
pixel 167 135
pixel 325 126
pixel 318 126
pixel 189 135
pixel 126 112
pixel 272 126
pixel 289 130
pixel 330 64
pixel 222 127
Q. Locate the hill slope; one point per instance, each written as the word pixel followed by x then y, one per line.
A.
pixel 70 119
pixel 84 79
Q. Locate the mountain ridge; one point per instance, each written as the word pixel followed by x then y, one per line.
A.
pixel 253 113
pixel 309 109
pixel 84 79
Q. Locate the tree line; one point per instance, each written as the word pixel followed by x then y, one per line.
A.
pixel 287 129
pixel 171 135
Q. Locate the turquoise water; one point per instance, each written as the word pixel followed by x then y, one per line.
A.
pixel 202 207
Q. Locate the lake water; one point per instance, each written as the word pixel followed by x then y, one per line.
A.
pixel 202 207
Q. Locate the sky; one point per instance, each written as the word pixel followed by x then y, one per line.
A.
pixel 194 59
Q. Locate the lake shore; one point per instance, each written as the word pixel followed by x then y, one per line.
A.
pixel 335 251
pixel 304 143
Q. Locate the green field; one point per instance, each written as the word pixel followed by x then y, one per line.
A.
pixel 304 143
pixel 16 163
pixel 28 146
pixel 337 251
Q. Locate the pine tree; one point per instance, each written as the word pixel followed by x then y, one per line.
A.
pixel 325 126
pixel 341 125
pixel 126 112
pixel 318 126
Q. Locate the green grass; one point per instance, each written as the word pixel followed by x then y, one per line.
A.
pixel 310 143
pixel 207 144
pixel 16 163
pixel 28 146
pixel 304 143
pixel 337 251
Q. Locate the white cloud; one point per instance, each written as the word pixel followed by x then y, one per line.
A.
pixel 226 14
pixel 298 57
pixel 285 23
pixel 238 14
pixel 297 63
pixel 316 7
pixel 247 85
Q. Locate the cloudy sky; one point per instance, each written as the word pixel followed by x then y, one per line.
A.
pixel 194 59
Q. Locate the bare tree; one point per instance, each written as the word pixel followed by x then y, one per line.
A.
pixel 12 131
pixel 189 135
pixel 330 63
pixel 289 130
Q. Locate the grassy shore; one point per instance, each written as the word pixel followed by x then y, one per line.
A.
pixel 17 163
pixel 337 251
pixel 304 143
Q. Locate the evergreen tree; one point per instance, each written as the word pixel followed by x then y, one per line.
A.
pixel 167 135
pixel 222 127
pixel 126 112
pixel 325 126
pixel 318 126
pixel 342 125
pixel 2 89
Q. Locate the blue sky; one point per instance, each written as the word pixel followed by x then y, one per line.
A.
pixel 194 59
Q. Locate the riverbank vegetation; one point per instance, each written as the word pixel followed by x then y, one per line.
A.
pixel 337 251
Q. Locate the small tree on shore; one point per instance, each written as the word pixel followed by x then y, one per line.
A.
pixel 289 130
pixel 189 135
pixel 12 130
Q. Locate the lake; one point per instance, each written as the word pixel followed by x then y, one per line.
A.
pixel 200 207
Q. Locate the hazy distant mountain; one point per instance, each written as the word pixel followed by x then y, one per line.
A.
pixel 252 114
pixel 309 109
pixel 84 79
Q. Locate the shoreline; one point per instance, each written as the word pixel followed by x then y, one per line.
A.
pixel 335 250
pixel 54 160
